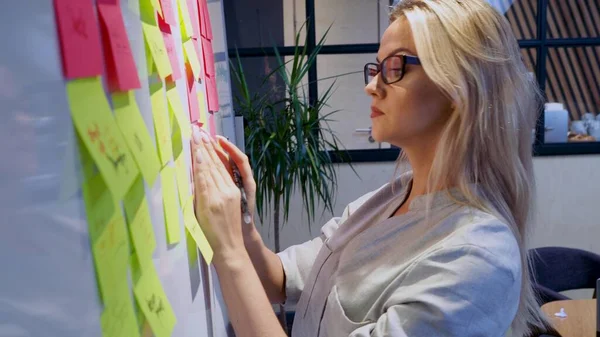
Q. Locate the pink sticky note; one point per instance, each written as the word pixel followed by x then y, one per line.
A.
pixel 120 66
pixel 205 25
pixel 209 57
pixel 193 9
pixel 165 30
pixel 192 96
pixel 212 129
pixel 168 12
pixel 79 38
pixel 211 91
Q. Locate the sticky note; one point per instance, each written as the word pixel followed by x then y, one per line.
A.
pixel 202 108
pixel 183 178
pixel 171 211
pixel 168 12
pixel 169 40
pixel 205 25
pixel 192 249
pixel 79 38
pixel 191 224
pixel 133 127
pixel 177 109
pixel 120 65
pixel 97 128
pixel 185 21
pixel 154 303
pixel 161 122
pixel 156 4
pixel 193 8
pixel 111 256
pixel 212 128
pixel 192 58
pixel 158 50
pixel 119 319
pixel 209 57
pixel 213 95
pixel 99 206
pixel 140 224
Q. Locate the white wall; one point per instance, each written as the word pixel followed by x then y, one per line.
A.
pixel 568 210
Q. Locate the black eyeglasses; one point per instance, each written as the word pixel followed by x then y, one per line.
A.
pixel 392 68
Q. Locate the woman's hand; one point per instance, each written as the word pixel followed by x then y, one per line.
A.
pixel 241 161
pixel 217 199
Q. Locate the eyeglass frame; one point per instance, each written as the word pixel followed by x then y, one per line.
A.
pixel 406 59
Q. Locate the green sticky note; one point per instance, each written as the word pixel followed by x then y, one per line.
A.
pixel 131 123
pixel 140 228
pixel 158 50
pixel 177 110
pixel 169 194
pixel 154 303
pixel 193 59
pixel 162 128
pixel 119 318
pixel 191 224
pixel 185 22
pixel 192 249
pixel 111 256
pixel 99 132
pixel 183 181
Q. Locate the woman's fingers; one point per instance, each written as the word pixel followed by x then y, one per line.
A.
pixel 203 176
pixel 238 157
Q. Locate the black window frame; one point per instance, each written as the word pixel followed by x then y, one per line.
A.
pixel 541 43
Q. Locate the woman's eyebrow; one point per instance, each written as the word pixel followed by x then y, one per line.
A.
pixel 397 50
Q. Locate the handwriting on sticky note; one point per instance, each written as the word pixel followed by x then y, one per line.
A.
pixel 191 224
pixel 118 318
pixel 161 122
pixel 192 57
pixel 154 303
pixel 111 253
pixel 169 40
pixel 121 70
pixel 99 132
pixel 171 211
pixel 79 38
pixel 130 121
pixel 156 46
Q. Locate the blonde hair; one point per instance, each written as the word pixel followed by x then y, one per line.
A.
pixel 469 51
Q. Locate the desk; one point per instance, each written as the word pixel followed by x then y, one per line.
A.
pixel 580 320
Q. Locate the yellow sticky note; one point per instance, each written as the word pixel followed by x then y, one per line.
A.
pixel 161 123
pixel 154 303
pixel 192 57
pixel 119 319
pixel 202 110
pixel 192 249
pixel 171 210
pixel 185 22
pixel 140 226
pixel 183 178
pixel 191 224
pixel 178 111
pixel 99 132
pixel 111 256
pixel 157 48
pixel 136 134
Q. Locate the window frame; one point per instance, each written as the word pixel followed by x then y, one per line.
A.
pixel 541 44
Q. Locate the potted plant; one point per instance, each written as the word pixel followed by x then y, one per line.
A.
pixel 287 138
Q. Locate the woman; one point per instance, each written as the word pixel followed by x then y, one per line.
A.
pixel 440 250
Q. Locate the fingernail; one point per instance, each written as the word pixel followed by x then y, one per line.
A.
pixel 205 138
pixel 198 157
pixel 196 134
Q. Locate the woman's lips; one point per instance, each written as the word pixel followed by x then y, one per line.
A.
pixel 375 112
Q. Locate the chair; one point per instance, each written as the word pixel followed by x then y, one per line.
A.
pixel 558 269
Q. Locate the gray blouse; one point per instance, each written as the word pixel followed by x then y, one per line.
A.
pixel 455 271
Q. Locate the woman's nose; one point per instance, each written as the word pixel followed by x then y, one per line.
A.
pixel 372 88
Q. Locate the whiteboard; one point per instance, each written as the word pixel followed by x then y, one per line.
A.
pixel 47 282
